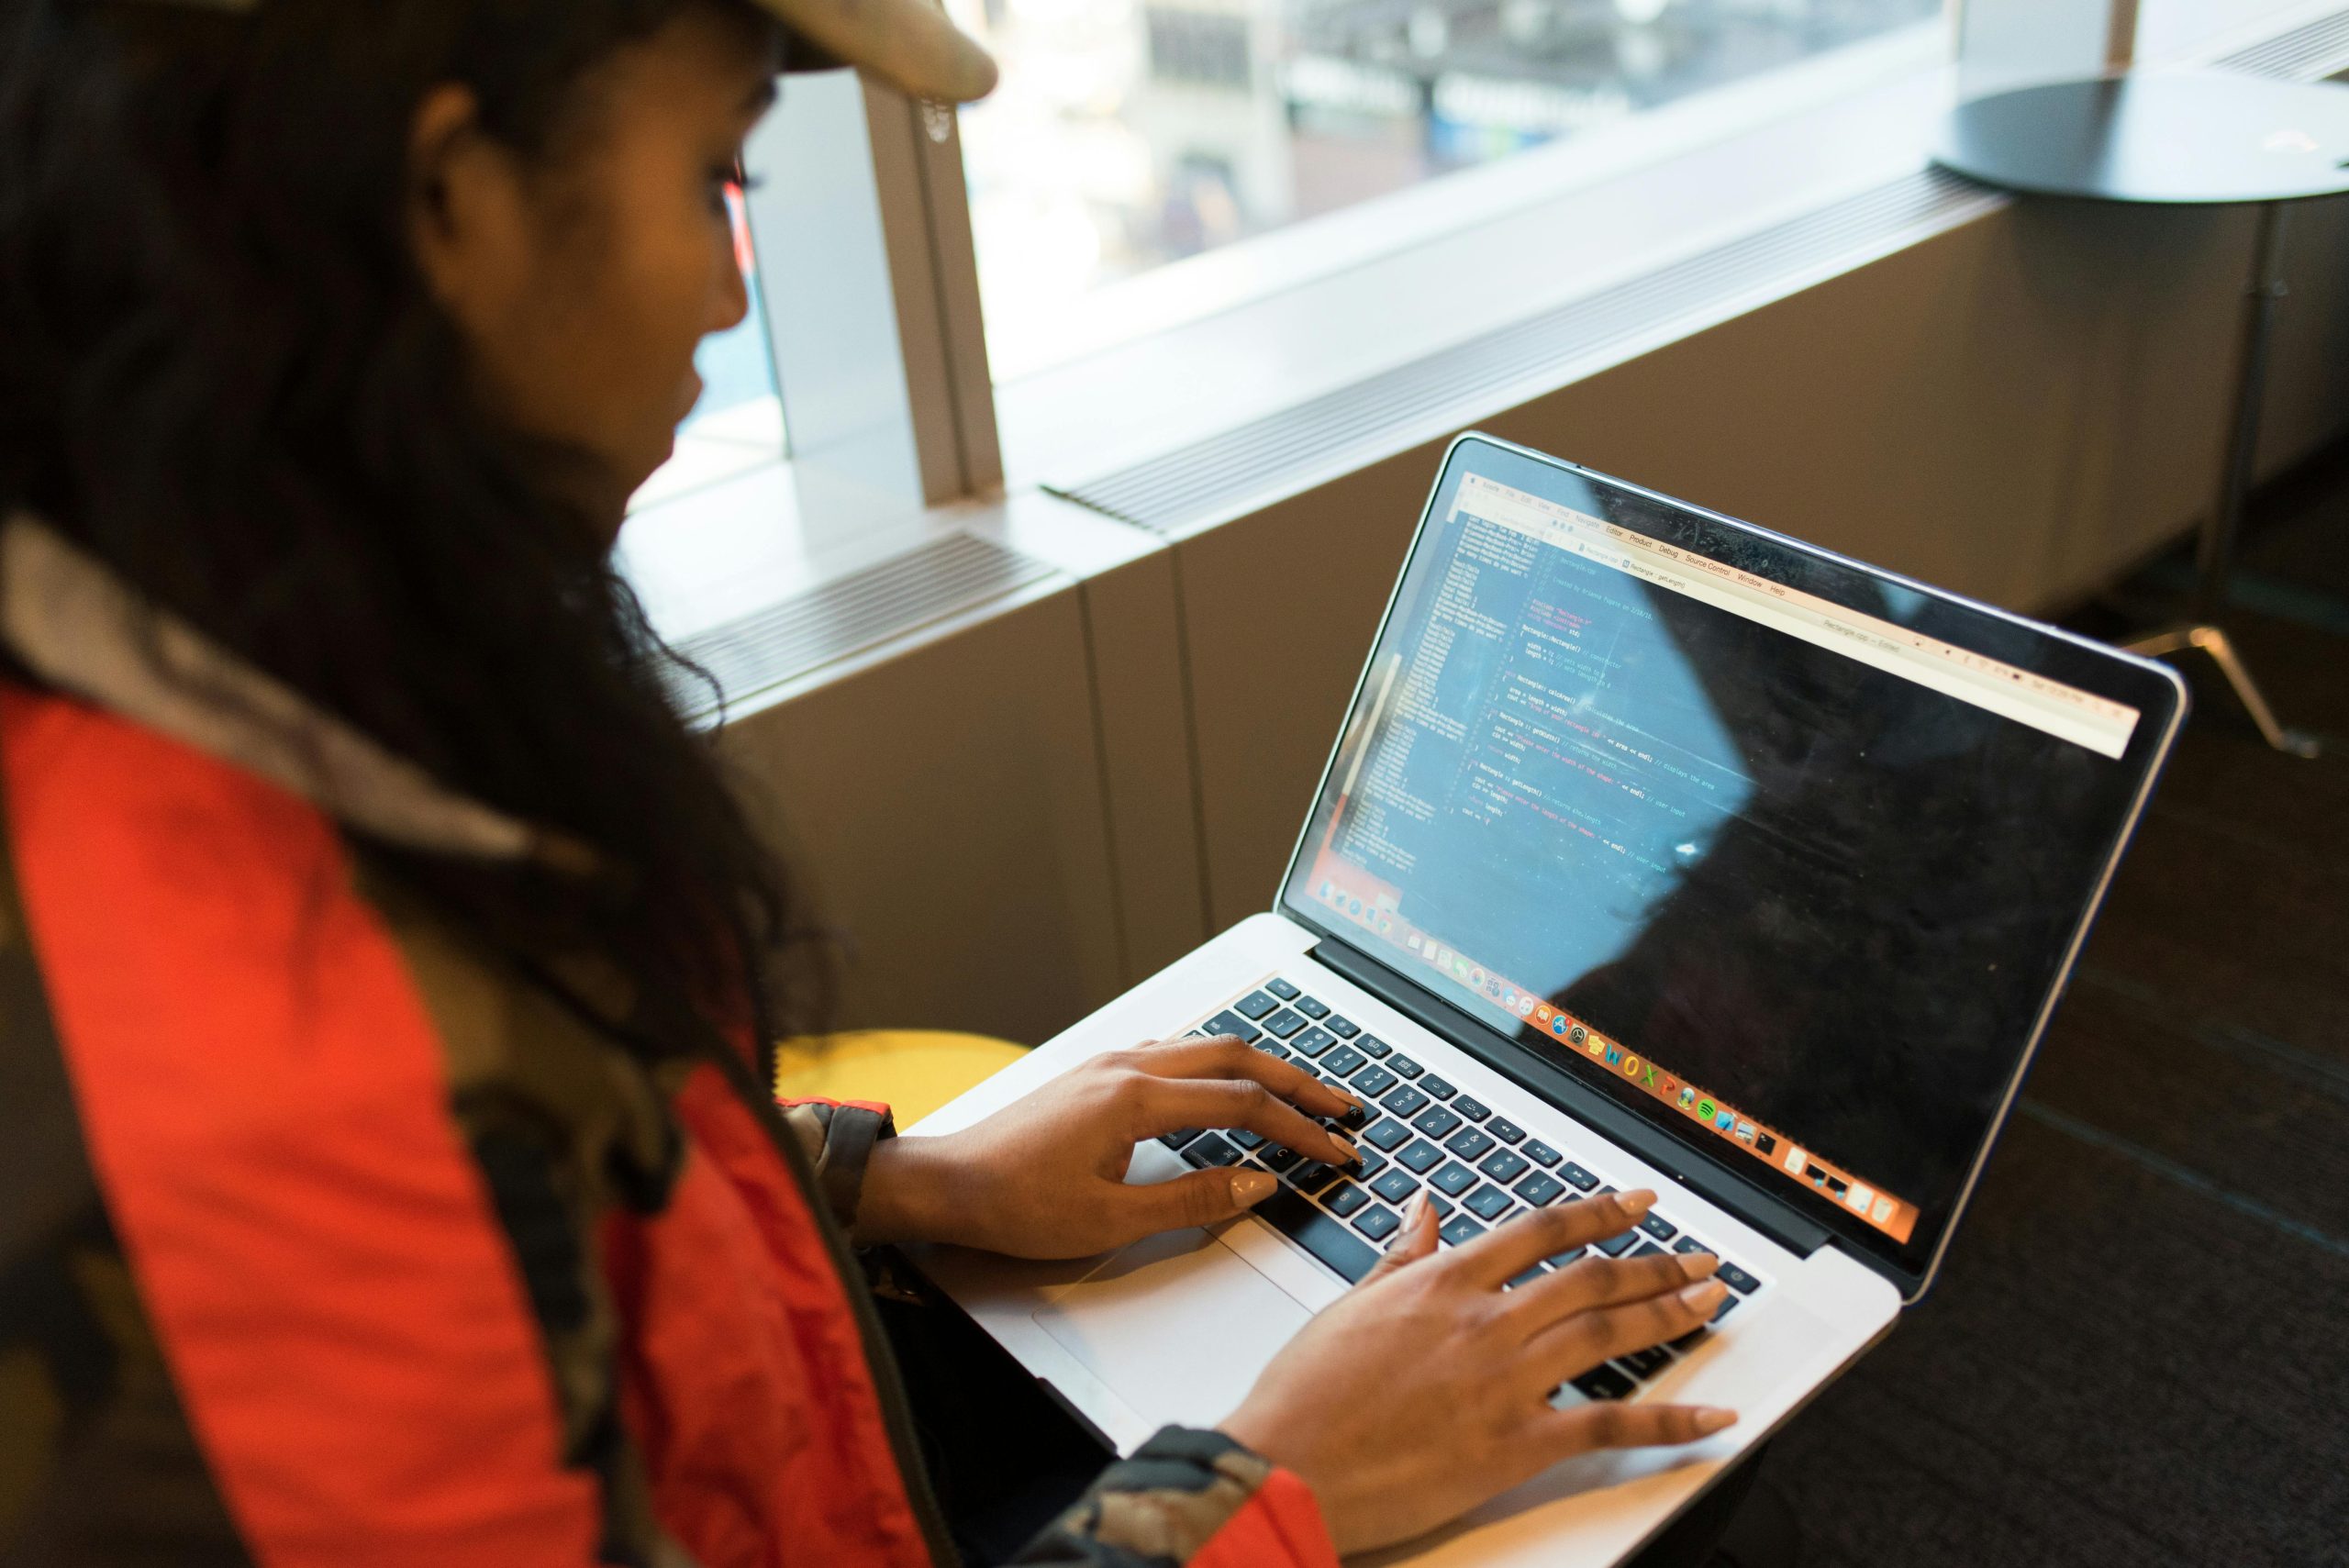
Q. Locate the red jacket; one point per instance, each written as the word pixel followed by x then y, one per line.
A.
pixel 333 1240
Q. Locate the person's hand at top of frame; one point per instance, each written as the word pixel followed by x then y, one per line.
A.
pixel 1425 1390
pixel 1046 1177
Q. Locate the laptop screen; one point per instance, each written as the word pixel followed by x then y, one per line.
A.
pixel 1783 854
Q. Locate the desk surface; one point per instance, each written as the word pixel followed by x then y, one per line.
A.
pixel 2190 138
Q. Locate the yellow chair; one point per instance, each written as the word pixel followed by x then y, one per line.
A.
pixel 913 1071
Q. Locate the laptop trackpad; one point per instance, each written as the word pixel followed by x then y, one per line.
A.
pixel 1177 1325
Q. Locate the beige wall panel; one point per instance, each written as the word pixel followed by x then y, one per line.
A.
pixel 1134 630
pixel 946 807
pixel 2017 410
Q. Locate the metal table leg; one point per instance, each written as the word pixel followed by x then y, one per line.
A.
pixel 2215 549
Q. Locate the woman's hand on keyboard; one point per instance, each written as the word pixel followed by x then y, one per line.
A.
pixel 1046 1177
pixel 1425 1391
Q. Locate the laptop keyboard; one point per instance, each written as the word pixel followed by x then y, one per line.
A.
pixel 1478 1168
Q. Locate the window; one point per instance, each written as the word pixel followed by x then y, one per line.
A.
pixel 737 423
pixel 1131 135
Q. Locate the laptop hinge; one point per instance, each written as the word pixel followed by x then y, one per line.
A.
pixel 1779 1221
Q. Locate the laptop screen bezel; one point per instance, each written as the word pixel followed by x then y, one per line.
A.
pixel 2154 688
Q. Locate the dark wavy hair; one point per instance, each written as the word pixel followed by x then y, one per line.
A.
pixel 223 376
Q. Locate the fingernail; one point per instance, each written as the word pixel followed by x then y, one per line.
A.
pixel 1636 1203
pixel 1711 1421
pixel 1348 1147
pixel 1250 1188
pixel 1704 1295
pixel 1699 1265
pixel 1418 1210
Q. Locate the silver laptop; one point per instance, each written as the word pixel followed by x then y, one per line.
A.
pixel 1656 849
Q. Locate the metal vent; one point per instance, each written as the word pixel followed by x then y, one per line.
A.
pixel 2310 52
pixel 944 577
pixel 1192 482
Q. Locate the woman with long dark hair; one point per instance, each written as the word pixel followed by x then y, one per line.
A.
pixel 386 972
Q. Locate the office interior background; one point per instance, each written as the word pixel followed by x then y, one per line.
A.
pixel 1035 525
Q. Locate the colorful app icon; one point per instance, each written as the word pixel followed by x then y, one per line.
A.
pixel 1578 1034
pixel 1705 1109
pixel 1687 1098
pixel 1647 1080
pixel 1354 906
pixel 1882 1212
pixel 1631 1065
pixel 1412 942
pixel 1558 1026
pixel 1744 1132
pixel 1763 1143
pixel 1385 925
pixel 1598 1046
pixel 1860 1198
pixel 1475 974
pixel 1726 1120
pixel 1797 1156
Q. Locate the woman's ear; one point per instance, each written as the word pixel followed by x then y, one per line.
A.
pixel 468 221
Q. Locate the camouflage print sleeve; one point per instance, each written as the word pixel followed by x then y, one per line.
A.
pixel 1188 1498
pixel 837 1137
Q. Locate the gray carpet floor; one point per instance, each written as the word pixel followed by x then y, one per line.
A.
pixel 2138 1348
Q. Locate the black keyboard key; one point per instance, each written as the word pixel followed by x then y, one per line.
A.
pixel 1341 1062
pixel 1454 1179
pixel 1354 1118
pixel 1371 1162
pixel 1255 1005
pixel 1728 1306
pixel 1541 1153
pixel 1396 1187
pixel 1461 1229
pixel 1283 1024
pixel 1230 1023
pixel 1470 1143
pixel 1439 1088
pixel 1179 1136
pixel 1660 1227
pixel 1311 1006
pixel 1407 1101
pixel 1344 1199
pixel 1541 1189
pixel 1444 1208
pixel 1403 1064
pixel 1327 1238
pixel 1487 1203
pixel 1372 1081
pixel 1311 1176
pixel 1420 1156
pixel 1736 1279
pixel 1209 1149
pixel 1436 1122
pixel 1245 1139
pixel 1386 1133
pixel 1313 1041
pixel 1473 1108
pixel 1508 1132
pixel 1605 1382
pixel 1272 1047
pixel 1616 1246
pixel 1283 989
pixel 1528 1277
pixel 1377 1223
pixel 1644 1365
pixel 1647 1250
pixel 1504 1166
pixel 1277 1159
pixel 1343 1028
pixel 1371 1045
pixel 1583 1180
pixel 1560 1260
pixel 1690 1244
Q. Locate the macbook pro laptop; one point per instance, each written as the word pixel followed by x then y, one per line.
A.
pixel 1656 850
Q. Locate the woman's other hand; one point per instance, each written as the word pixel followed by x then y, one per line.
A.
pixel 1425 1390
pixel 1046 1177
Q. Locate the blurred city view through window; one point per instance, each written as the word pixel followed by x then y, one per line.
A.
pixel 1131 134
